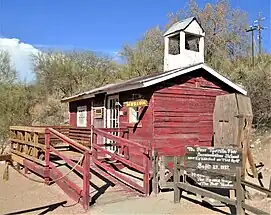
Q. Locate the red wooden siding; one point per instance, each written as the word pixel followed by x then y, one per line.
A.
pixel 141 132
pixel 180 113
pixel 183 113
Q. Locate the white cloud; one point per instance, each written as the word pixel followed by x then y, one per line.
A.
pixel 20 54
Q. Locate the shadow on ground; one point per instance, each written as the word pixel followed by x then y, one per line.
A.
pixel 48 208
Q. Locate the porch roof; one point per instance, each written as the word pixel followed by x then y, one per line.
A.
pixel 149 80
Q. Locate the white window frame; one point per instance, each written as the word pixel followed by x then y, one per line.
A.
pixel 131 116
pixel 81 113
pixel 108 115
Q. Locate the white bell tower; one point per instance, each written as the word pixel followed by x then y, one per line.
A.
pixel 184 44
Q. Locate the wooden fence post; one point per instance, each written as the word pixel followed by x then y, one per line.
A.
pixel 240 195
pixel 155 172
pixel 126 152
pixel 269 196
pixel 86 178
pixel 162 170
pixel 146 177
pixel 94 143
pixel 176 179
pixel 47 156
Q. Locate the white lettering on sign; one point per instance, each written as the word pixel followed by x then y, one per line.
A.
pixel 213 167
pixel 190 149
pixel 205 180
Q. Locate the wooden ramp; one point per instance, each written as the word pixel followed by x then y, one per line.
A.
pixel 103 188
pixel 96 176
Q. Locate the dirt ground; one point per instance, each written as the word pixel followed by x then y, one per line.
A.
pixel 261 150
pixel 22 196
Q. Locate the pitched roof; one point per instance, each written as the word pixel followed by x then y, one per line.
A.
pixel 181 25
pixel 149 80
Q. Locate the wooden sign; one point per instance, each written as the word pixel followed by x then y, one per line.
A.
pixel 206 179
pixel 136 103
pixel 213 167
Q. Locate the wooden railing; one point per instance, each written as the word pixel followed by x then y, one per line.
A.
pixel 80 195
pixel 33 147
pixel 180 184
pixel 81 135
pixel 27 143
pixel 122 155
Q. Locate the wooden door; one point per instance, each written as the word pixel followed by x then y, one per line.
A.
pixel 112 117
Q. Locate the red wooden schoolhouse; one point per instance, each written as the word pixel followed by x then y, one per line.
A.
pixel 168 109
pixel 127 132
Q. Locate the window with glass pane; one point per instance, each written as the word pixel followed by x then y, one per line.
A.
pixel 134 114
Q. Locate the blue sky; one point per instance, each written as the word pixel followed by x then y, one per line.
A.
pixel 100 25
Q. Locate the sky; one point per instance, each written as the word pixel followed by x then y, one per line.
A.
pixel 28 26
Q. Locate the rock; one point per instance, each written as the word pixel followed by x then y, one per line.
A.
pixel 257 196
pixel 258 141
pixel 212 202
pixel 252 146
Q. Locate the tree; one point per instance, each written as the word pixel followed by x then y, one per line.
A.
pixel 66 73
pixel 62 74
pixel 225 36
pixel 257 81
pixel 15 100
pixel 146 56
pixel 225 39
pixel 7 73
pixel 226 50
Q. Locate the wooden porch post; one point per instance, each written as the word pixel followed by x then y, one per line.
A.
pixel 240 196
pixel 47 156
pixel 146 165
pixel 155 182
pixel 176 179
pixel 86 178
pixel 94 143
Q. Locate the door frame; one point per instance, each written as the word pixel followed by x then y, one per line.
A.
pixel 108 115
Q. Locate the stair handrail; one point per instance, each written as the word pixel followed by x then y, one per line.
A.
pixel 84 192
pixel 144 149
pixel 119 139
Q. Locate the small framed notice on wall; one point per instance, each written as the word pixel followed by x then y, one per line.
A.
pixel 98 113
pixel 82 116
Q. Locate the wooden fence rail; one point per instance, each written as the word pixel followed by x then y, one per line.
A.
pixel 80 195
pixel 180 184
pixel 33 147
pixel 122 155
pixel 5 157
